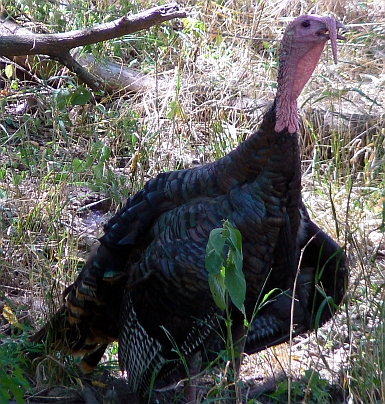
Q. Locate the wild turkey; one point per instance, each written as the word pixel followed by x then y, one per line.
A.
pixel 147 285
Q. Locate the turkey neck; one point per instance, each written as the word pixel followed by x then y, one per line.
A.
pixel 300 51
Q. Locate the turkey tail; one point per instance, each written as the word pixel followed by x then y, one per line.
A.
pixel 61 335
pixel 89 318
pixel 140 355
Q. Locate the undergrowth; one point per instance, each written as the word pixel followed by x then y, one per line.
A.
pixel 69 157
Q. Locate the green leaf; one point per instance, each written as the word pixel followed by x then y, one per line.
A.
pixel 98 171
pixel 18 393
pixel 362 94
pixel 235 284
pixel 105 153
pixel 4 396
pixel 266 297
pixel 61 98
pixel 214 262
pixel 174 110
pixel 9 71
pixel 323 306
pixel 235 237
pixel 226 272
pixel 218 290
pixel 214 252
pixel 78 165
pixel 80 96
pixel 217 240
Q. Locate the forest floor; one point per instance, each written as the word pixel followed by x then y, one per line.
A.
pixel 65 168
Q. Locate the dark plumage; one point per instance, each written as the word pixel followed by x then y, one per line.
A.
pixel 147 285
pixel 323 272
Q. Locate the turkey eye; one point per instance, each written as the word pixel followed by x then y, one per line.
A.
pixel 306 24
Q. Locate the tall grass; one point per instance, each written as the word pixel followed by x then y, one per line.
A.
pixel 215 75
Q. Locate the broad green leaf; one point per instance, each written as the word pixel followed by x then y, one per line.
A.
pixel 80 96
pixel 214 262
pixel 98 171
pixel 236 285
pixel 174 110
pixel 218 290
pixel 61 98
pixel 217 240
pixel 234 236
pixel 78 165
pixel 236 257
pixel 214 252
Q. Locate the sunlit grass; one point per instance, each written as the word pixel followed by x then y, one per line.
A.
pixel 215 76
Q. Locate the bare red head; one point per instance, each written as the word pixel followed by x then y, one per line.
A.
pixel 300 51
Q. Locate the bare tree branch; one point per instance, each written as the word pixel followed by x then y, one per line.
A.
pixel 56 45
pixel 83 74
pixel 18 41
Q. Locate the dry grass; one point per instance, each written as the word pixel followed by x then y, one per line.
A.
pixel 214 78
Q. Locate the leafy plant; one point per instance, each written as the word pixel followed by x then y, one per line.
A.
pixel 224 263
pixel 13 383
pixel 311 388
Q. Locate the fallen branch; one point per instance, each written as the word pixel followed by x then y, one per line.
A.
pixel 56 45
pixel 18 41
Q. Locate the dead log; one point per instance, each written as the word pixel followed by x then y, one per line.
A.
pixel 116 77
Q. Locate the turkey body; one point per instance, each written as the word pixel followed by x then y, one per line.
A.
pixel 168 296
pixel 147 285
pixel 153 252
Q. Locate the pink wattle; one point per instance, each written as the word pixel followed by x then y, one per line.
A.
pixel 298 72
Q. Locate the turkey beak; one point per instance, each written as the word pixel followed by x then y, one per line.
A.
pixel 323 31
pixel 342 26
